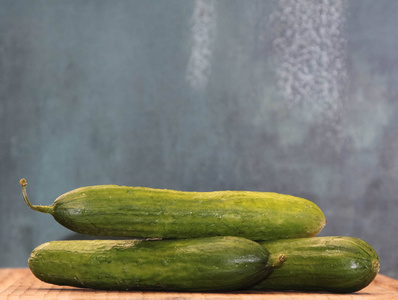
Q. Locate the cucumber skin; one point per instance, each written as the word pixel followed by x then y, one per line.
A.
pixel 333 264
pixel 141 212
pixel 192 265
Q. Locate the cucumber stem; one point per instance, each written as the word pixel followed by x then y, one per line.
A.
pixel 39 208
pixel 375 266
pixel 276 261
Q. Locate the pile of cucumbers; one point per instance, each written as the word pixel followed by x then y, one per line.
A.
pixel 198 242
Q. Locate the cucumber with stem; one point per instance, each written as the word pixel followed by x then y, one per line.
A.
pixel 141 212
pixel 339 264
pixel 190 265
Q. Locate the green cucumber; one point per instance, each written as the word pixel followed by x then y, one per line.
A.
pixel 334 264
pixel 140 212
pixel 198 265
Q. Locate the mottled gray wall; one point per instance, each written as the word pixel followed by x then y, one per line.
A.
pixel 297 97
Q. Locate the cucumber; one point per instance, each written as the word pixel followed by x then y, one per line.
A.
pixel 334 264
pixel 140 212
pixel 196 265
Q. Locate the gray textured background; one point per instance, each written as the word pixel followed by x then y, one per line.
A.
pixel 297 97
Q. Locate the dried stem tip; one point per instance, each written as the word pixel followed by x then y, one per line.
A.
pixel 39 208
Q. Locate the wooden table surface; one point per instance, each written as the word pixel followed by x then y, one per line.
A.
pixel 21 284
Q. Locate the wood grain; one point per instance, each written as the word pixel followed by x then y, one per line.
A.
pixel 21 284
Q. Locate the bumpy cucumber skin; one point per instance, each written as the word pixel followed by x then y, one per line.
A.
pixel 334 264
pixel 140 212
pixel 195 265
